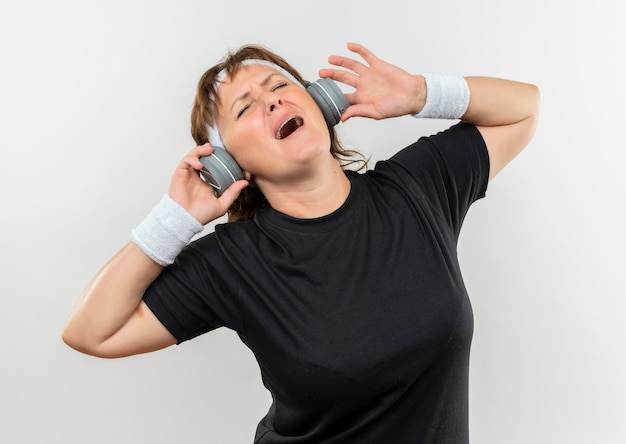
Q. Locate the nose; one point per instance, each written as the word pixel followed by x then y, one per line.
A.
pixel 272 101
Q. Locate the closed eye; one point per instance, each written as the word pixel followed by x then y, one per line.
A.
pixel 242 111
pixel 274 88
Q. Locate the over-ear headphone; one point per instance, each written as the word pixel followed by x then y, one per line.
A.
pixel 220 169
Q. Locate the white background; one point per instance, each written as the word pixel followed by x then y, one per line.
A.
pixel 95 98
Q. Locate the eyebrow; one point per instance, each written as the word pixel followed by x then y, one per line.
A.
pixel 245 95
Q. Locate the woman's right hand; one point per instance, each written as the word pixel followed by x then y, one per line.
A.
pixel 196 196
pixel 110 319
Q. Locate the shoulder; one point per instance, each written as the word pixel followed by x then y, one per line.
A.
pixel 456 140
pixel 449 170
pixel 457 151
pixel 227 235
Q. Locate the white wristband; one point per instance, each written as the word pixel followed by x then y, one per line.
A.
pixel 447 96
pixel 166 230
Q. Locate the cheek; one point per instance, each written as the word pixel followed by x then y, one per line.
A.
pixel 248 150
pixel 320 123
pixel 238 139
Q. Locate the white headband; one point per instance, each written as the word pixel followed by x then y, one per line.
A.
pixel 214 135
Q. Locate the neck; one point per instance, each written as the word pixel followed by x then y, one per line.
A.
pixel 316 196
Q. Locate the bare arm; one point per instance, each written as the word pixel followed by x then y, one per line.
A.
pixel 504 111
pixel 110 319
pixel 506 114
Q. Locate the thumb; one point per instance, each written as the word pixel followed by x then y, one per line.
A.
pixel 231 194
pixel 358 110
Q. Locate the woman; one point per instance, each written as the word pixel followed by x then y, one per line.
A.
pixel 346 286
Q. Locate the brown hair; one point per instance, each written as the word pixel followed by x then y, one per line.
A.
pixel 205 109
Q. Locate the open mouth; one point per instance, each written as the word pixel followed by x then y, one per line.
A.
pixel 289 126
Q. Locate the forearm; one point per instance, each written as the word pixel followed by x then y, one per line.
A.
pixel 111 298
pixel 110 320
pixel 506 113
pixel 496 102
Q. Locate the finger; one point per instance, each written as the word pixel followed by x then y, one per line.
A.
pixel 365 53
pixel 344 77
pixel 231 193
pixel 359 111
pixel 205 149
pixel 202 150
pixel 192 158
pixel 347 63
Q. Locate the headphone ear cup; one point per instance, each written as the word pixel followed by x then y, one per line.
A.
pixel 220 170
pixel 329 98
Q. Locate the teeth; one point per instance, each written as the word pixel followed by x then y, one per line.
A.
pixel 289 126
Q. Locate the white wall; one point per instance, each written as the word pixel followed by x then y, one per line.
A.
pixel 94 109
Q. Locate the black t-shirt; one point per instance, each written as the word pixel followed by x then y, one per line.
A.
pixel 359 320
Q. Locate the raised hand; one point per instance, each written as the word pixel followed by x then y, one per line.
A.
pixel 196 196
pixel 382 90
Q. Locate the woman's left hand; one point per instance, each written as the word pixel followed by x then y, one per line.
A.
pixel 382 90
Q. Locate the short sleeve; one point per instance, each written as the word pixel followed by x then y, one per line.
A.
pixel 197 293
pixel 450 169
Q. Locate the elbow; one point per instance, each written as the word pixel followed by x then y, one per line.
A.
pixel 78 341
pixel 528 125
pixel 534 113
pixel 69 336
pixel 72 338
pixel 534 103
